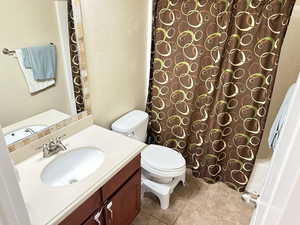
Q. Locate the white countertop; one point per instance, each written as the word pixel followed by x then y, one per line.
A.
pixel 50 205
pixel 47 118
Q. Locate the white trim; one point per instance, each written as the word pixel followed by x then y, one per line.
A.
pixel 148 48
pixel 12 206
pixel 281 185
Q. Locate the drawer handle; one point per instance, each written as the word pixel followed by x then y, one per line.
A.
pixel 109 208
pixel 97 218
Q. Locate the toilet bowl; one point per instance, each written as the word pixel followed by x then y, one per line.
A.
pixel 162 164
pixel 162 168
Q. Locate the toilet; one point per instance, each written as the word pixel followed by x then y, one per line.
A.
pixel 162 168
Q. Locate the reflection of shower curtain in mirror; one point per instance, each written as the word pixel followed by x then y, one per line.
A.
pixel 74 52
pixel 213 69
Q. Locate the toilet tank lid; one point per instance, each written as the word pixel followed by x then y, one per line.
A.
pixel 130 121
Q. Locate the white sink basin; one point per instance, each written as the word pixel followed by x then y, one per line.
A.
pixel 72 166
pixel 22 133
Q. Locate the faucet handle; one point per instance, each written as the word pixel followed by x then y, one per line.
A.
pixel 51 142
pixel 45 148
pixel 52 145
pixel 59 142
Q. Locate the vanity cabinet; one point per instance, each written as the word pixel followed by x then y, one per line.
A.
pixel 118 202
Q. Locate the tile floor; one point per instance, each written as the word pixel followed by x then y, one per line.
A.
pixel 197 203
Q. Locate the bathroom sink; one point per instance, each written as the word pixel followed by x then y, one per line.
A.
pixel 22 133
pixel 72 166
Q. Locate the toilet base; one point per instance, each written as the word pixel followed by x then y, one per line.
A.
pixel 162 191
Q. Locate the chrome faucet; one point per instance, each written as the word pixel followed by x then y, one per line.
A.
pixel 53 147
pixel 29 130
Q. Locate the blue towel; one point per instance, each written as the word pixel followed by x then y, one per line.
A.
pixel 280 118
pixel 41 60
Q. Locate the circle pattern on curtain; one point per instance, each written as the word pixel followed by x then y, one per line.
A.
pixel 214 64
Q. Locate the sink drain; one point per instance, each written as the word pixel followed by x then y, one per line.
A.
pixel 73 181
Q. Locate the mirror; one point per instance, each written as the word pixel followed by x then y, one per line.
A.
pixel 40 74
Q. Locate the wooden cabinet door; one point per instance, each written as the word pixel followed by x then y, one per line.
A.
pixel 125 205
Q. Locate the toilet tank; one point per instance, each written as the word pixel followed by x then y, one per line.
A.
pixel 133 124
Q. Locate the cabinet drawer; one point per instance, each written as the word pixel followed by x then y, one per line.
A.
pixel 83 212
pixel 120 178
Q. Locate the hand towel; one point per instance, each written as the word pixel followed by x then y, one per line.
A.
pixel 41 60
pixel 33 85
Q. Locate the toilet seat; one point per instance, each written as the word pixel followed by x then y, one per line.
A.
pixel 162 161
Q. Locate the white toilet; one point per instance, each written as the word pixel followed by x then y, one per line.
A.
pixel 162 167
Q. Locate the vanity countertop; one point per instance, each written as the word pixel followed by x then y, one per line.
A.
pixel 50 205
pixel 47 118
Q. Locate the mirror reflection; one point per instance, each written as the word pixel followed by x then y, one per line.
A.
pixel 38 66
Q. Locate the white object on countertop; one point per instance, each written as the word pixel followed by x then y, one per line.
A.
pixel 163 167
pixel 33 85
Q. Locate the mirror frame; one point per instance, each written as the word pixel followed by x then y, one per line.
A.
pixel 77 13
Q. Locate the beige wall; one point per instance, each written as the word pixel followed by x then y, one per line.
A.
pixel 116 46
pixel 289 67
pixel 22 25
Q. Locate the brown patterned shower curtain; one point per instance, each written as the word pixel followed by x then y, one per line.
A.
pixel 214 64
pixel 74 53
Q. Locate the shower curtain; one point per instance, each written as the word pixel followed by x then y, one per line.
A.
pixel 214 64
pixel 74 55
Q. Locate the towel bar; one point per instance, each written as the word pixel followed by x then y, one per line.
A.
pixel 8 52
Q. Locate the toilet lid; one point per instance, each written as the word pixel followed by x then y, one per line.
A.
pixel 162 158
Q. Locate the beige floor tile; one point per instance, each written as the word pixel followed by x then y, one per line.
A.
pixel 197 203
pixel 168 216
pixel 141 219
pixel 154 221
pixel 144 219
pixel 195 218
